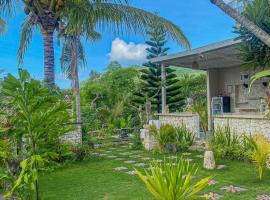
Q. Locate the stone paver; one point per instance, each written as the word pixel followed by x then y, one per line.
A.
pixel 135 156
pixel 221 166
pixel 172 157
pixel 129 161
pixel 263 197
pixel 213 196
pixel 146 158
pixel 233 189
pixel 139 164
pixel 103 154
pixel 212 182
pixel 132 172
pixel 189 160
pixel 159 161
pixel 120 168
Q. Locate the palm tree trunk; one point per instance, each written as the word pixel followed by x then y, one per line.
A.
pixel 249 25
pixel 75 79
pixel 48 45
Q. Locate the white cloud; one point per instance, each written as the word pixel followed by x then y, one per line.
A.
pixel 127 53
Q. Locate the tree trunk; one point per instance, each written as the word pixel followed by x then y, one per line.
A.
pixel 48 45
pixel 249 25
pixel 75 78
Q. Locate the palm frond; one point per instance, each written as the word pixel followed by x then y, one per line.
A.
pixel 66 58
pixel 117 18
pixel 27 29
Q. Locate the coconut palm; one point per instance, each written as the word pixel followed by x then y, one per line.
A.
pixel 85 15
pixel 249 25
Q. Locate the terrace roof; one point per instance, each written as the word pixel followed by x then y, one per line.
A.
pixel 217 55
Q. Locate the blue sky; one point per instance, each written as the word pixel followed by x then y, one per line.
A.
pixel 201 22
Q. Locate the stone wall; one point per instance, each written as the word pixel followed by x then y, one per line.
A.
pixel 74 137
pixel 190 120
pixel 149 142
pixel 248 124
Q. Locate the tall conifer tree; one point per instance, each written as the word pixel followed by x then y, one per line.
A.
pixel 151 74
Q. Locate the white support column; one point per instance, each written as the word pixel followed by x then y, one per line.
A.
pixel 163 89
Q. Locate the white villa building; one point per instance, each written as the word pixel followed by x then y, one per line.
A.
pixel 230 99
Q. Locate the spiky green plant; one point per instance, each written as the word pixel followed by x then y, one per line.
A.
pixel 261 152
pixel 173 182
pixel 184 138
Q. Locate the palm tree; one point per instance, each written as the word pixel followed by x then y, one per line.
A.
pixel 85 15
pixel 249 25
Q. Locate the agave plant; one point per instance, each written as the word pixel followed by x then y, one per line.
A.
pixel 173 182
pixel 261 153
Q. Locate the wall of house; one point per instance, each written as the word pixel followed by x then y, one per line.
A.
pixel 244 124
pixel 243 100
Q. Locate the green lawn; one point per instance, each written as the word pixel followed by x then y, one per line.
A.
pixel 97 180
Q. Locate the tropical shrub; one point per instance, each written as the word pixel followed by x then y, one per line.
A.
pixel 229 145
pixel 173 182
pixel 260 153
pixel 164 135
pixel 36 120
pixel 183 138
pixel 81 152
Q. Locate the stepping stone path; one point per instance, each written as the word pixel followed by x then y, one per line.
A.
pixel 189 160
pixel 213 196
pixel 221 166
pixel 212 182
pixel 120 168
pixel 129 161
pixel 186 154
pixel 233 189
pixel 139 164
pixel 146 158
pixel 103 154
pixel 132 172
pixel 259 197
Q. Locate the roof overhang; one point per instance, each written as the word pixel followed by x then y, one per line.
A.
pixel 222 54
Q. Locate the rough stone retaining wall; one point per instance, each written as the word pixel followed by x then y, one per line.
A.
pixel 74 137
pixel 190 120
pixel 149 141
pixel 248 124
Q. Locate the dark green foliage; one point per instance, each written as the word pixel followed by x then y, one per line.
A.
pixel 151 75
pixel 106 100
pixel 36 118
pixel 254 52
